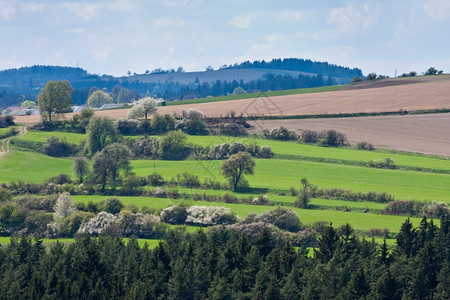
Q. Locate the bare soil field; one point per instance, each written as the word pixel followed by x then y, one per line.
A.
pixel 415 133
pixel 421 93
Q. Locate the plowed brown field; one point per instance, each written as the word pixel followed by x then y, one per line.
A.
pixel 415 133
pixel 372 98
pixel 411 133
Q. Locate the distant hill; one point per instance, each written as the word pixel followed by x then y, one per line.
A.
pixel 26 83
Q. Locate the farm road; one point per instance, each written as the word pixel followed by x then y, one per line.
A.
pixel 5 142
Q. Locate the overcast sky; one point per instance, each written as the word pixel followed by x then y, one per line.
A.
pixel 113 37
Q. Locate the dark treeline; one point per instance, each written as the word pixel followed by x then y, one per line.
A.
pixel 223 264
pixel 303 65
pixel 17 85
pixel 270 82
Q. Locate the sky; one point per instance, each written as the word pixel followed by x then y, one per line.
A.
pixel 116 36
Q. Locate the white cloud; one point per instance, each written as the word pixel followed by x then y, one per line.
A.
pixel 438 9
pixel 7 10
pixel 352 19
pixel 167 22
pixel 33 7
pixel 84 10
pixel 101 53
pixel 295 15
pixel 243 21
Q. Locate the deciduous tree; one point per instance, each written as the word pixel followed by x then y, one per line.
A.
pixel 55 98
pixel 236 166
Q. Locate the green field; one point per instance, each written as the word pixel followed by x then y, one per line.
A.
pixel 257 95
pixel 42 136
pixel 271 174
pixel 294 148
pixel 32 167
pixel 307 216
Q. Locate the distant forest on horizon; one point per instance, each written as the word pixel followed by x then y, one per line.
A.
pixel 17 85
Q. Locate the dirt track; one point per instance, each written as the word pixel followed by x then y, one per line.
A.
pixel 416 133
pixel 5 142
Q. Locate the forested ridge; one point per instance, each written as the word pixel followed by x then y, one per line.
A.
pixel 26 82
pixel 222 264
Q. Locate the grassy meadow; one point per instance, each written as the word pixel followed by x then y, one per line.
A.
pixel 272 176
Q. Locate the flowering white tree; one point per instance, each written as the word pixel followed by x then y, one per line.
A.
pixel 64 206
pixel 144 107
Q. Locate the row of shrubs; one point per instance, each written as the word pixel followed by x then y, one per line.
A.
pixel 347 195
pixel 432 209
pixel 328 138
pixel 150 147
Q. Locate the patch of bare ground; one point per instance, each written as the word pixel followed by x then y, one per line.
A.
pixel 414 133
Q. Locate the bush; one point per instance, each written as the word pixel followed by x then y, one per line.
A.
pixel 6 121
pixel 232 129
pixel 70 225
pixel 160 192
pixel 113 205
pixel 99 224
pixel 188 180
pixel 173 146
pixel 162 123
pixel 58 148
pixel 128 126
pixel 365 146
pixel 155 179
pixel 210 215
pixel 282 218
pixel 59 179
pixel 281 134
pixel 333 138
pixel 175 214
pixel 143 147
pixel 5 195
pixel 309 136
pixel 265 152
pixel 388 163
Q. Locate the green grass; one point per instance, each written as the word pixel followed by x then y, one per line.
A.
pixel 283 174
pixel 5 130
pixel 293 148
pixel 257 95
pixel 42 136
pixel 139 202
pixel 32 167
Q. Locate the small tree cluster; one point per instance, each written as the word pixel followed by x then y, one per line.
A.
pixel 281 134
pixel 388 163
pixel 210 215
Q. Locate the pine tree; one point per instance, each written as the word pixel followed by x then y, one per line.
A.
pixel 327 244
pixel 407 239
pixel 424 279
pixel 359 285
pixel 386 287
